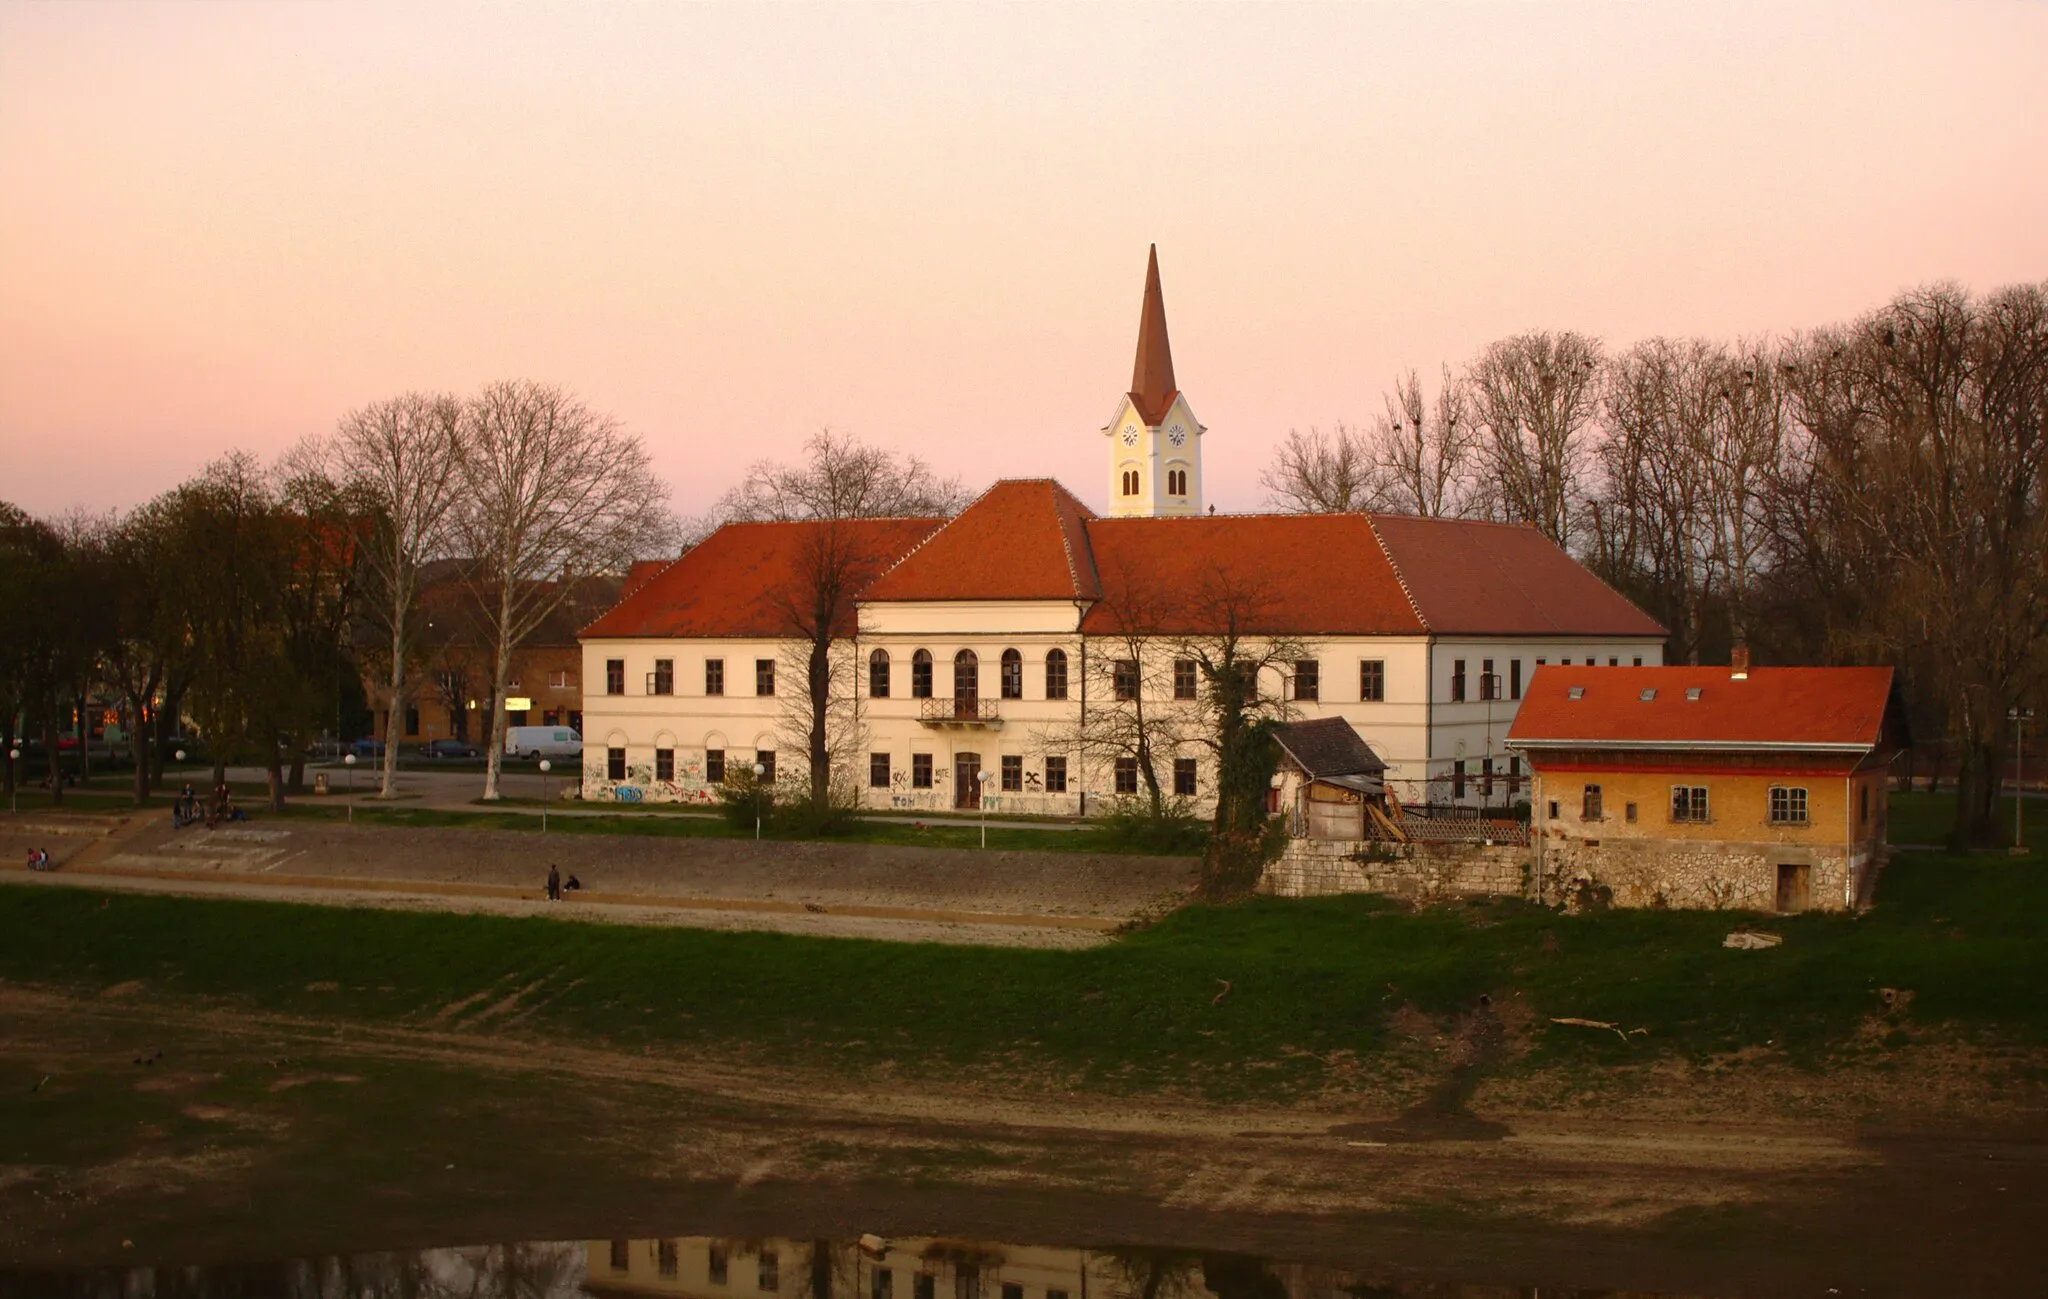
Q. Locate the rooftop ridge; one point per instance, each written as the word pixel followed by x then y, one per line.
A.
pixel 1399 576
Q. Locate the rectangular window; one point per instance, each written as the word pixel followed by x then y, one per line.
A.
pixel 878 771
pixel 665 1257
pixel 622 1257
pixel 615 676
pixel 1013 773
pixel 714 676
pixel 558 679
pixel 1458 779
pixel 1457 681
pixel 1613 662
pixel 664 680
pixel 882 1284
pixel 717 1258
pixel 924 1286
pixel 412 721
pixel 1011 1290
pixel 1486 777
pixel 1541 662
pixel 714 766
pixel 1056 674
pixel 1553 809
pixel 765 760
pixel 1308 680
pixel 1184 777
pixel 770 1275
pixel 1489 683
pixel 1788 805
pixel 920 771
pixel 615 764
pixel 1639 660
pixel 1589 804
pixel 664 764
pixel 1183 678
pixel 1372 680
pixel 1126 775
pixel 1628 813
pixel 1123 679
pixel 1514 678
pixel 1514 776
pixel 1689 803
pixel 1055 775
pixel 764 676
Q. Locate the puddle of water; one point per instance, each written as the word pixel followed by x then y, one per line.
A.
pixel 715 1267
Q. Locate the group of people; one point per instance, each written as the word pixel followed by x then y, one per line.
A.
pixel 39 860
pixel 189 810
pixel 556 888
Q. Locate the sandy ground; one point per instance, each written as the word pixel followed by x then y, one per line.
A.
pixel 1041 899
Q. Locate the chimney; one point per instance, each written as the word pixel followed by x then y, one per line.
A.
pixel 1738 663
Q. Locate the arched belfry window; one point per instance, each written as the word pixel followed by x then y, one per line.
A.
pixel 1056 674
pixel 966 683
pixel 878 674
pixel 1130 482
pixel 1013 674
pixel 1176 482
pixel 921 675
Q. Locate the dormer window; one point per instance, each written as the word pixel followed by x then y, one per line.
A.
pixel 1647 695
pixel 1576 692
pixel 1692 694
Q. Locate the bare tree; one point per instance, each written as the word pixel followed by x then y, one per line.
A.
pixel 403 458
pixel 1534 397
pixel 1427 453
pixel 1317 473
pixel 840 477
pixel 551 491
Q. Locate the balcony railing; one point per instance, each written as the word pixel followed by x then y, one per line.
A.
pixel 959 712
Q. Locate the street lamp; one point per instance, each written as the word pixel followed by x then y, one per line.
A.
pixel 13 780
pixel 349 760
pixel 981 780
pixel 547 789
pixel 2019 717
pixel 759 771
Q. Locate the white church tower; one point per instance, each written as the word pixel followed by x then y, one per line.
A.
pixel 1155 443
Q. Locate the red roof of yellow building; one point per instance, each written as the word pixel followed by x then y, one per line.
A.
pixel 1839 709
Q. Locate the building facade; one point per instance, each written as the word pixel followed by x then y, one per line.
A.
pixel 1021 637
pixel 1758 788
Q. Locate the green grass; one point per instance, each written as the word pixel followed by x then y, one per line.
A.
pixel 1308 979
pixel 1923 818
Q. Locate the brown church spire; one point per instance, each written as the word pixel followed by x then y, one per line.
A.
pixel 1152 386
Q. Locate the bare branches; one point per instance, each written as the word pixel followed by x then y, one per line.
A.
pixel 1318 473
pixel 840 478
pixel 1534 397
pixel 1419 458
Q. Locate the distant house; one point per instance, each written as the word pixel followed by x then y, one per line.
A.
pixel 1710 786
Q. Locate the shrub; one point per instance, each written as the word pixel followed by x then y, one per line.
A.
pixel 746 801
pixel 1130 825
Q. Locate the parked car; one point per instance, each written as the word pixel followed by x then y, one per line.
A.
pixel 368 747
pixel 449 749
pixel 532 742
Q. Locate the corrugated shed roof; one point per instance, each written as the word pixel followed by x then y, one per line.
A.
pixel 1022 539
pixel 726 584
pixel 1773 707
pixel 1500 579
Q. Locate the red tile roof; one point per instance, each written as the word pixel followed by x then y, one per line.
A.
pixel 1308 575
pixel 725 585
pixel 1500 579
pixel 638 574
pixel 1022 539
pixel 1819 708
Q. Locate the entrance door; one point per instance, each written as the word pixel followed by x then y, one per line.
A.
pixel 966 789
pixel 1795 887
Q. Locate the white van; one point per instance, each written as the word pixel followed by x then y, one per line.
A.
pixel 542 742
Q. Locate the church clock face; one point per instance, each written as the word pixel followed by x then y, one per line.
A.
pixel 1130 435
pixel 1177 435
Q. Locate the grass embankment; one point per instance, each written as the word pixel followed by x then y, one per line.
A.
pixel 1923 818
pixel 1309 982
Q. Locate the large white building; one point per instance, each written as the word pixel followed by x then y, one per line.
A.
pixel 982 641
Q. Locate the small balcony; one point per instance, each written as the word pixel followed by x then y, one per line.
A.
pixel 960 714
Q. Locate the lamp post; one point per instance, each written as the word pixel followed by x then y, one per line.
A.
pixel 2019 717
pixel 349 760
pixel 759 771
pixel 13 780
pixel 547 789
pixel 981 783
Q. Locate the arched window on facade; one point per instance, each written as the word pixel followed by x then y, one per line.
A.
pixel 1056 674
pixel 1176 482
pixel 966 684
pixel 921 675
pixel 1013 674
pixel 1130 482
pixel 878 674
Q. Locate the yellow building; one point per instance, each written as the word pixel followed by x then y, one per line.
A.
pixel 1709 787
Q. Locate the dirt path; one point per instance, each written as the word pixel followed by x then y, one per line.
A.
pixel 1038 899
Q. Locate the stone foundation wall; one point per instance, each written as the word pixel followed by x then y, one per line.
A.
pixel 1699 874
pixel 1316 868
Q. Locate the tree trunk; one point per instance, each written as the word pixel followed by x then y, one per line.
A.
pixel 55 762
pixel 220 771
pixel 820 682
pixel 501 672
pixel 388 787
pixel 296 781
pixel 1978 824
pixel 139 742
pixel 274 771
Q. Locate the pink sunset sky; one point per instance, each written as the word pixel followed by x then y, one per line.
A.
pixel 222 225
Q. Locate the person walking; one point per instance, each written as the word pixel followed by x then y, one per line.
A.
pixel 554 883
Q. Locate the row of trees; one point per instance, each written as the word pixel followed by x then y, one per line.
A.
pixel 237 599
pixel 1866 492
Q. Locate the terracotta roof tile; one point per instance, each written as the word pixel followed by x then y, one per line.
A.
pixel 1776 707
pixel 1022 539
pixel 723 585
pixel 1470 578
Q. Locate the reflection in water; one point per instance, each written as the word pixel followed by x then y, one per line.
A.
pixel 715 1267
